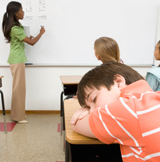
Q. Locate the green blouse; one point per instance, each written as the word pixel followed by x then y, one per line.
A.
pixel 17 53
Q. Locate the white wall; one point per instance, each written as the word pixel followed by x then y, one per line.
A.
pixel 43 85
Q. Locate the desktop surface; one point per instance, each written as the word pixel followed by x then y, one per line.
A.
pixel 70 79
pixel 80 148
pixel 70 106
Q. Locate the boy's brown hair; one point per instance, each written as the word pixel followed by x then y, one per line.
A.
pixel 104 75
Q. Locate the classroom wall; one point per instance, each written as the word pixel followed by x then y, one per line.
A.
pixel 43 85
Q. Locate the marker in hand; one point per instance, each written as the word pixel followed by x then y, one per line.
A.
pixel 42 29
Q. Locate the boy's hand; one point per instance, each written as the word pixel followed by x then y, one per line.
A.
pixel 79 114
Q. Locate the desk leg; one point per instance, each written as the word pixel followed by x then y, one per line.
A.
pixel 2 98
pixel 61 113
pixel 64 141
pixel 64 134
pixel 68 153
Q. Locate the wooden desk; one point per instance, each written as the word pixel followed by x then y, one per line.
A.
pixel 78 146
pixel 70 106
pixel 3 107
pixel 69 83
pixel 70 79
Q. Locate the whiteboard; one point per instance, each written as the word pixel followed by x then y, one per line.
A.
pixel 72 26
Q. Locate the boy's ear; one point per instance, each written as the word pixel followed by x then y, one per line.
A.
pixel 120 81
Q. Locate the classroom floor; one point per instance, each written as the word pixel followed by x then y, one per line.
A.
pixel 37 141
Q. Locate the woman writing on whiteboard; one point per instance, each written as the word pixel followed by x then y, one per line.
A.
pixel 15 35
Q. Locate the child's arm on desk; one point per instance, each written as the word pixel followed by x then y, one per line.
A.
pixel 82 127
pixel 79 114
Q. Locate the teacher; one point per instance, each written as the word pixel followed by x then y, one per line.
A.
pixel 14 34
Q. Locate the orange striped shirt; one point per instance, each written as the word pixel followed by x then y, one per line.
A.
pixel 133 121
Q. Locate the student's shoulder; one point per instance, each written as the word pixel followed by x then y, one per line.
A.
pixel 154 71
pixel 121 61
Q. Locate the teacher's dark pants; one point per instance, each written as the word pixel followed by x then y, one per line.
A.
pixel 18 92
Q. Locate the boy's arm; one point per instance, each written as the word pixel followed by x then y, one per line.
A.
pixel 82 127
pixel 79 114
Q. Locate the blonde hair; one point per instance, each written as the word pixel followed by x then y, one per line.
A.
pixel 107 49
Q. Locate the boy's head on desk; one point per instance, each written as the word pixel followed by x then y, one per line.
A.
pixel 103 84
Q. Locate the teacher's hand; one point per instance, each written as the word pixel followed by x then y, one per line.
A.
pixel 42 30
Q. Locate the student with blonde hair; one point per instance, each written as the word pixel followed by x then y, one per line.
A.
pixel 153 75
pixel 107 49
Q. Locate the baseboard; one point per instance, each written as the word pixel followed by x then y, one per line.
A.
pixel 36 111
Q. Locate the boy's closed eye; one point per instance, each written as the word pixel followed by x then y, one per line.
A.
pixel 94 99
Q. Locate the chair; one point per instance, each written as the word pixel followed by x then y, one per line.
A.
pixel 3 107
